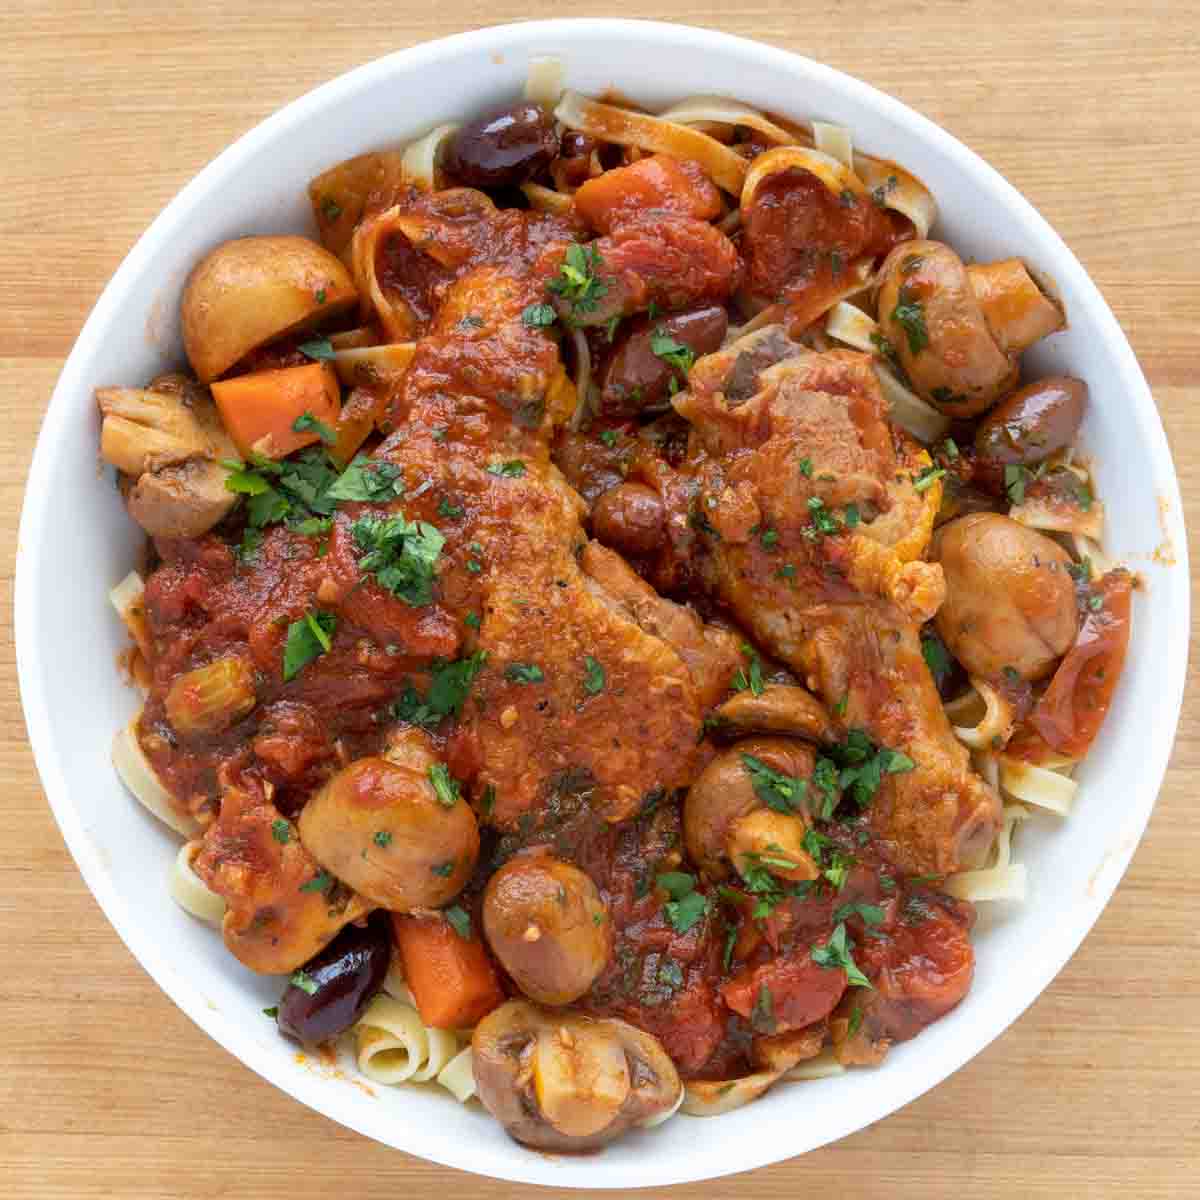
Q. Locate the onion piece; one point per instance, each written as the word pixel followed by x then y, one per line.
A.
pixel 1043 513
pixel 824 1066
pixel 852 326
pixel 188 890
pixel 996 726
pixel 627 128
pixel 711 1098
pixel 898 190
pixel 909 411
pixel 129 599
pixel 716 110
pixel 545 80
pixel 422 159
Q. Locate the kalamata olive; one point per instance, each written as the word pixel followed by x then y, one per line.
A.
pixel 1028 427
pixel 630 518
pixel 328 994
pixel 503 149
pixel 636 379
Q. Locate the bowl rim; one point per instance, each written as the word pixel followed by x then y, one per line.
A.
pixel 1054 950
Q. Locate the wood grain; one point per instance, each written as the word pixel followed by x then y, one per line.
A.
pixel 1088 106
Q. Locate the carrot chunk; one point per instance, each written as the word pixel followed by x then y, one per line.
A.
pixel 260 410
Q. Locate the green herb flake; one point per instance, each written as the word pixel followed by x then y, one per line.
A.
pixel 382 839
pixel 281 831
pixel 780 792
pixel 539 316
pixel 937 657
pixel 319 349
pixel 514 468
pixel 307 423
pixel 402 555
pixel 835 953
pixel 927 478
pixel 460 921
pixel 304 982
pixel 752 680
pixel 450 511
pixel 319 883
pixel 594 678
pixel 674 353
pixel 578 284
pixel 443 870
pixel 910 316
pixel 369 480
pixel 271 1012
pixel 518 672
pixel 806 467
pixel 670 973
pixel 855 1022
pixel 769 538
pixel 609 437
pixel 872 914
pixel 447 789
pixel 307 639
pixel 762 1015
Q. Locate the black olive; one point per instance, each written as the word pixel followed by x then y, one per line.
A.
pixel 504 149
pixel 328 994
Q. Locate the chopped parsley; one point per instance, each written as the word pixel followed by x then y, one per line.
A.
pixel 472 620
pixel 872 914
pixel 927 478
pixel 594 679
pixel 308 638
pixel 382 839
pixel 777 791
pixel 1015 480
pixel 281 831
pixel 855 1022
pixel 751 681
pixel 450 511
pixel 401 554
pixel 577 283
pixel 937 657
pixel 762 1015
pixel 538 316
pixel 787 571
pixel 686 906
pixel 330 209
pixel 448 692
pixel 769 538
pixel 806 467
pixel 862 766
pixel 518 672
pixel 307 423
pixel 271 1012
pixel 443 870
pixel 460 921
pixel 609 437
pixel 304 982
pixel 851 516
pixel 447 789
pixel 836 953
pixel 674 353
pixel 514 468
pixel 910 316
pixel 1095 603
pixel 670 973
pixel 319 349
pixel 368 480
pixel 318 883
pixel 823 521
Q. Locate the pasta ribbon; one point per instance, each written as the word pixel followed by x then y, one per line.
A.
pixel 189 891
pixel 1002 879
pixel 395 1046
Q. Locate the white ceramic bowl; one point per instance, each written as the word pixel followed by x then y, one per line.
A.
pixel 76 541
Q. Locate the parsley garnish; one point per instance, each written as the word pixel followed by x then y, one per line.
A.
pixel 1015 479
pixel 523 673
pixel 318 883
pixel 513 469
pixel 443 870
pixel 836 953
pixel 823 521
pixel 307 423
pixel 451 511
pixel 937 657
pixel 460 921
pixel 308 638
pixel 806 467
pixel 927 478
pixel 752 682
pixel 872 914
pixel 577 283
pixel 447 692
pixel 676 354
pixel 855 1022
pixel 787 571
pixel 609 437
pixel 304 983
pixel 472 619
pixel 769 539
pixel 445 786
pixel 863 766
pixel 271 1012
pixel 910 316
pixel 671 974
pixel 281 831
pixel 382 839
pixel 319 349
pixel 686 906
pixel 402 555
pixel 762 1015
pixel 538 316
pixel 777 791
pixel 369 480
pixel 330 209
pixel 594 680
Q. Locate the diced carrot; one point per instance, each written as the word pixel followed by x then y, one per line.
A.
pixel 355 423
pixel 657 183
pixel 259 410
pixel 452 979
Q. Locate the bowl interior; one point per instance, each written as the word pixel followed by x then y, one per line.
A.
pixel 76 542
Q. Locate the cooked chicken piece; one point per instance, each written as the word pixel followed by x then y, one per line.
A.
pixel 282 907
pixel 713 655
pixel 784 477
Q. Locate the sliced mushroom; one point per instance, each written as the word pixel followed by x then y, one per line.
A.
pixel 250 291
pixel 779 708
pixel 170 439
pixel 563 1081
pixel 725 819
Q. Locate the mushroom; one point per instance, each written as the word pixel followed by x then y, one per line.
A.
pixel 252 290
pixel 779 708
pixel 382 827
pixel 727 819
pixel 958 344
pixel 547 925
pixel 1010 600
pixel 170 440
pixel 563 1081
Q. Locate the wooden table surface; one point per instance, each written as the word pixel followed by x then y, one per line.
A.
pixel 1088 106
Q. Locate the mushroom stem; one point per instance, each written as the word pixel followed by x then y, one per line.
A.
pixel 1016 309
